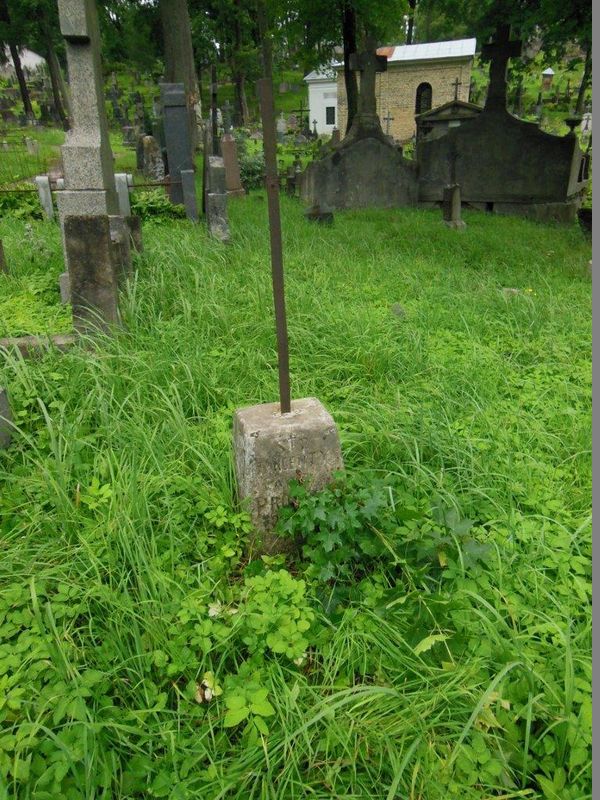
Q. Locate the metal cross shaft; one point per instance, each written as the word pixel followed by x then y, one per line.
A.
pixel 265 95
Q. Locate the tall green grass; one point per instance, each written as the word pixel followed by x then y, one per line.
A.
pixel 440 382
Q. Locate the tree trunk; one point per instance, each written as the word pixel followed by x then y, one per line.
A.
pixel 21 79
pixel 54 70
pixel 585 80
pixel 349 40
pixel 239 78
pixel 241 104
pixel 179 55
pixel 412 5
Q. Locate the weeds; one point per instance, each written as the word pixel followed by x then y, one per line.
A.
pixel 432 637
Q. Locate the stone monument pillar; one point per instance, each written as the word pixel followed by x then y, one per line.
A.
pixel 177 136
pixel 89 200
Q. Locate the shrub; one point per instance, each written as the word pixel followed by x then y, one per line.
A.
pixel 155 204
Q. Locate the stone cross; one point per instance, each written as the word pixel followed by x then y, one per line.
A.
pixel 387 119
pixel 95 242
pixel 498 53
pixel 368 64
pixel 451 207
pixel 87 157
pixel 456 83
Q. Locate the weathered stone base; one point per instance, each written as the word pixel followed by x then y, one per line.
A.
pixel 562 213
pixel 29 346
pixel 456 224
pixel 369 173
pixel 6 420
pixel 134 224
pixel 64 285
pixel 216 216
pixel 273 448
pixel 93 273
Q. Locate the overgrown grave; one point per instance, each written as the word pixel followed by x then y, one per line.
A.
pixel 277 442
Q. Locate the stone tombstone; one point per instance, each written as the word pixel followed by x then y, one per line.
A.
pixel 281 128
pixel 128 132
pixel 122 184
pixel 290 181
pixel 32 145
pixel 270 445
pixel 188 186
pixel 503 163
pixel 87 157
pixel 451 206
pixel 43 186
pixel 139 152
pixel 6 420
pixel 233 181
pixel 93 272
pixel 177 136
pixel 586 125
pixel 216 200
pixel 153 165
pixel 357 172
pixel 90 195
pixel 335 137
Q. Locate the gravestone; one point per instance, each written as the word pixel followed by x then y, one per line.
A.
pixel 128 132
pixel 290 181
pixel 207 150
pixel 586 125
pixel 93 273
pixel 45 195
pixel 503 163
pixel 281 128
pixel 177 136
pixel 216 200
pixel 365 170
pixel 6 420
pixel 233 181
pixel 335 137
pixel 188 187
pixel 139 152
pixel 90 195
pixel 293 439
pixel 272 448
pixel 122 185
pixel 451 207
pixel 153 165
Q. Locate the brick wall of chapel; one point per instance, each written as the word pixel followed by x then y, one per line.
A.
pixel 397 91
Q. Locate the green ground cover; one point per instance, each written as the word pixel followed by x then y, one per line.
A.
pixel 432 637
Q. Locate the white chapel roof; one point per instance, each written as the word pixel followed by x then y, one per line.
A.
pixel 428 51
pixel 322 74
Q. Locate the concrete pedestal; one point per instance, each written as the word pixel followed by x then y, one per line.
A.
pixel 273 448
